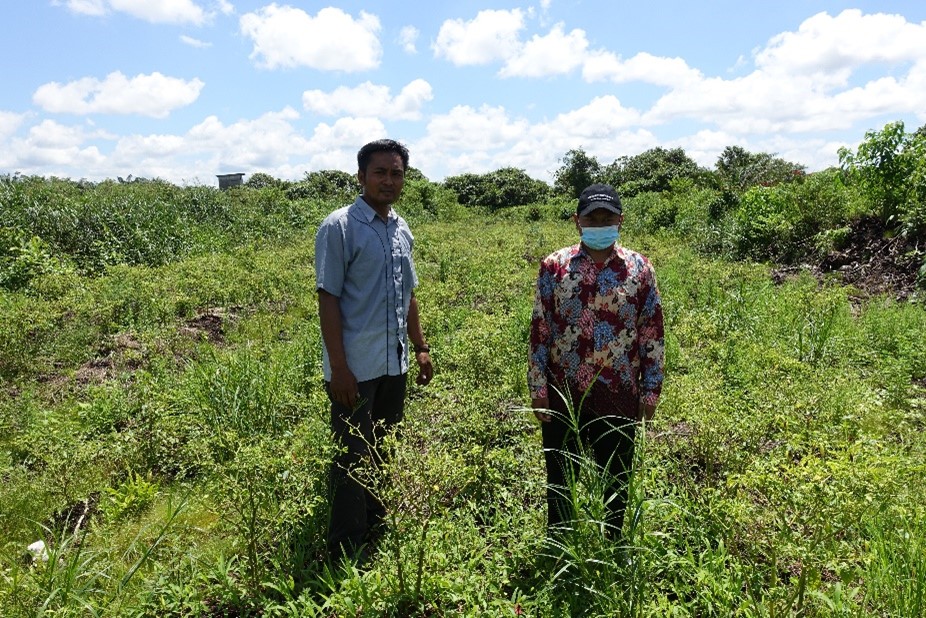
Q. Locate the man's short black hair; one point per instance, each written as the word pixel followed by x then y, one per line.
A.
pixel 381 145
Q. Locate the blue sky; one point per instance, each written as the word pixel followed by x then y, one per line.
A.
pixel 187 89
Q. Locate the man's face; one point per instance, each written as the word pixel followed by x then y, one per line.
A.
pixel 600 217
pixel 383 179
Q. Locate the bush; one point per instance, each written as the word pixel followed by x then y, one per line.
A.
pixel 423 198
pixel 499 189
pixel 325 185
pixel 578 170
pixel 890 169
pixel 51 226
pixel 763 223
pixel 739 170
pixel 654 170
pixel 785 222
pixel 23 260
pixel 260 180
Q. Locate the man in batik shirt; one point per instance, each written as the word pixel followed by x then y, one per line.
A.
pixel 596 355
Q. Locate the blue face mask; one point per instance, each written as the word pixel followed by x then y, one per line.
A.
pixel 598 238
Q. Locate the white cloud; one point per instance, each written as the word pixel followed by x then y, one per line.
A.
pixel 880 96
pixel 66 162
pixel 553 54
pixel 286 37
pixel 485 128
pixel 643 67
pixel 408 37
pixel 705 146
pixel 10 123
pixel 826 46
pixel 51 148
pixel 93 8
pixel 483 139
pixel 134 148
pixel 51 134
pixel 807 81
pixel 162 11
pixel 154 95
pixel 603 118
pixel 188 40
pixel 369 99
pixel 490 36
pixel 154 11
pixel 335 146
pixel 224 7
pixel 213 147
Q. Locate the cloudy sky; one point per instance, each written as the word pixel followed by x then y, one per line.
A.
pixel 187 89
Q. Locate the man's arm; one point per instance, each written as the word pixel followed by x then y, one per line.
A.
pixel 538 354
pixel 416 334
pixel 652 347
pixel 343 385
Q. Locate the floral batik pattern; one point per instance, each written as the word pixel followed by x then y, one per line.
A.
pixel 597 324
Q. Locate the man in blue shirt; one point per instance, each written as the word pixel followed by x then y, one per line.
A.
pixel 366 279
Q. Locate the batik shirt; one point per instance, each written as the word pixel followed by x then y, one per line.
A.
pixel 598 324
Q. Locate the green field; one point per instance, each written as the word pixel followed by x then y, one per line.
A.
pixel 163 426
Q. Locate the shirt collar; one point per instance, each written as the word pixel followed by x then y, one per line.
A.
pixel 578 251
pixel 369 214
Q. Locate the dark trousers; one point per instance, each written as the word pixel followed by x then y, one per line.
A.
pixel 609 440
pixel 356 512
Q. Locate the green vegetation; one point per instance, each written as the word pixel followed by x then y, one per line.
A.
pixel 163 427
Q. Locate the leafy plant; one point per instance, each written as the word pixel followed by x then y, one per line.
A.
pixel 133 495
pixel 890 166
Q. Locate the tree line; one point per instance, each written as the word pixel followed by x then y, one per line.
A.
pixel 750 204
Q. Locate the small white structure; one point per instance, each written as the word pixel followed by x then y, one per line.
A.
pixel 38 551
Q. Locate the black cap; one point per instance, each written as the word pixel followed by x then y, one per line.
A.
pixel 599 196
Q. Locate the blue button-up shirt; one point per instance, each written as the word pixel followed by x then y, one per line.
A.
pixel 367 263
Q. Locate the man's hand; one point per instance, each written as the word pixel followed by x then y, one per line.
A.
pixel 425 368
pixel 541 406
pixel 343 387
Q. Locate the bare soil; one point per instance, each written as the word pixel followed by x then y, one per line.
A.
pixel 872 261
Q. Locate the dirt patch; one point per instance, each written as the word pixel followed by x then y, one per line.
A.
pixel 95 371
pixel 871 260
pixel 209 325
pixel 122 352
pixel 681 430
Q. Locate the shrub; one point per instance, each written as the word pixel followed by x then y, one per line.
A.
pixel 578 170
pixel 423 198
pixel 762 222
pixel 499 189
pixel 653 170
pixel 23 260
pixel 259 180
pixel 739 169
pixel 789 221
pixel 890 168
pixel 325 185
